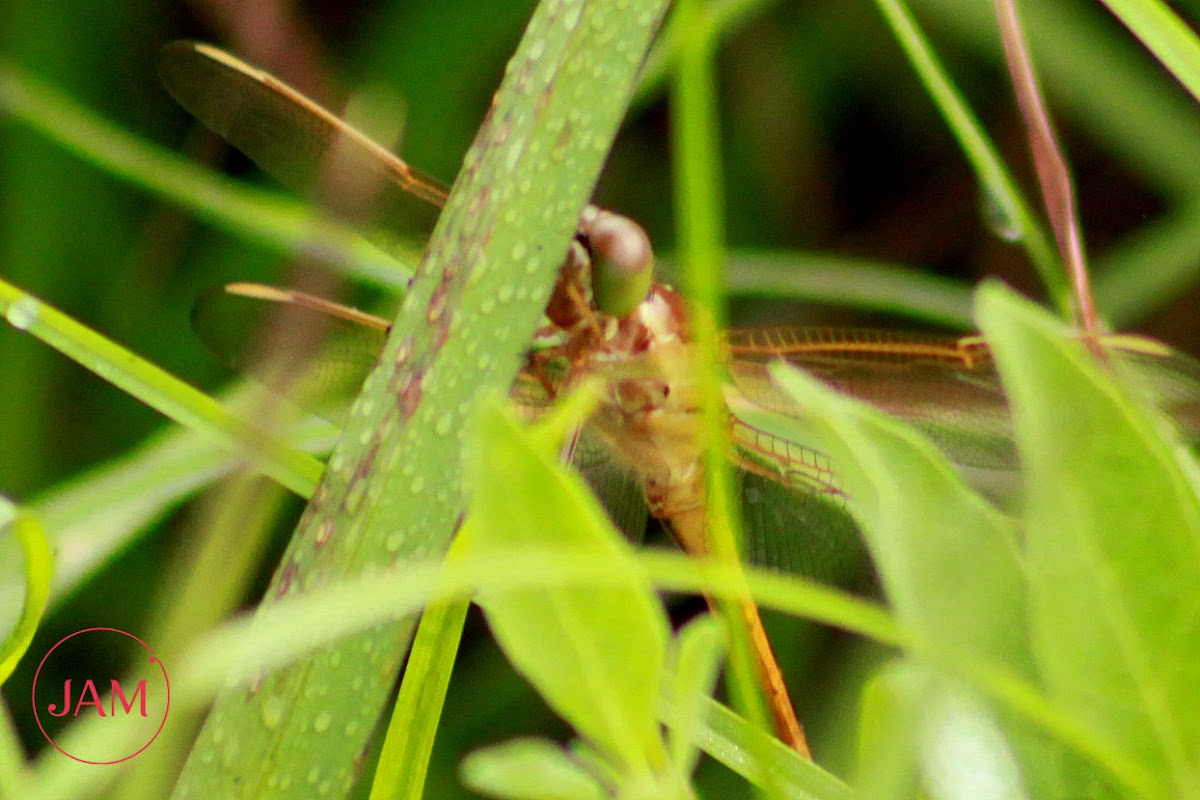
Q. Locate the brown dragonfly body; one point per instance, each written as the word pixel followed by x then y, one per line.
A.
pixel 638 342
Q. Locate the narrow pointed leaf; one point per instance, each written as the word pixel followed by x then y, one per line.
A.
pixel 1113 544
pixel 594 652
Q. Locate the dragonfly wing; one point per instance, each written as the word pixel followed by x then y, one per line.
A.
pixel 313 351
pixel 617 488
pixel 794 511
pixel 802 533
pixel 1161 376
pixel 299 143
pixel 945 387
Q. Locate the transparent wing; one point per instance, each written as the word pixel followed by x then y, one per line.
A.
pixel 313 351
pixel 617 488
pixel 946 387
pixel 1162 377
pixel 302 145
pixel 793 509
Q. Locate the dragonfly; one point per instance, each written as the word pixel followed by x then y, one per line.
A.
pixel 647 423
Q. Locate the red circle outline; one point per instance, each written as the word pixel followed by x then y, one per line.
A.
pixel 153 660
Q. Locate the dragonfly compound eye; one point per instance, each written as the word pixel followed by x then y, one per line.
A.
pixel 622 262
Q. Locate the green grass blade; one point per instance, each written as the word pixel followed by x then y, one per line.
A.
pixel 1148 268
pixel 392 490
pixel 103 511
pixel 1009 212
pixel 267 218
pixel 762 759
pixel 158 389
pixel 721 18
pixel 1095 82
pixel 700 224
pixel 839 280
pixel 404 760
pixel 39 568
pixel 1165 35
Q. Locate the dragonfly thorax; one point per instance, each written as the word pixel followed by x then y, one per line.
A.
pixel 649 414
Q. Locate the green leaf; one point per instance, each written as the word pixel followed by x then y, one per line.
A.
pixel 889 709
pixel 948 560
pixel 595 652
pixel 529 769
pixel 1113 544
pixel 696 655
pixel 962 750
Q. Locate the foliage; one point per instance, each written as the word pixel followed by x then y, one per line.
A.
pixel 1040 650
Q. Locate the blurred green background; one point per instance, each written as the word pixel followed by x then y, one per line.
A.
pixel 832 151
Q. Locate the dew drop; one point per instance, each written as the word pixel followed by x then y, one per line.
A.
pixel 394 542
pixel 418 485
pixel 231 753
pixel 1001 216
pixel 322 722
pixel 22 313
pixel 354 497
pixel 272 712
pixel 444 423
pixel 314 775
pixel 324 532
pixel 505 294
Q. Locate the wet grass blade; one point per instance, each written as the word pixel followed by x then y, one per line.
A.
pixel 392 490
pixel 160 390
